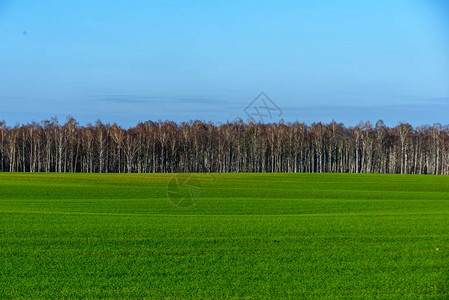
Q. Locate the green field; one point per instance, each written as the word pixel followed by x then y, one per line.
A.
pixel 248 235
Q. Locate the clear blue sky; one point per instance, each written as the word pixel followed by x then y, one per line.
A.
pixel 129 61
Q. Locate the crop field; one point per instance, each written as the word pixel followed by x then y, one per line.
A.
pixel 224 236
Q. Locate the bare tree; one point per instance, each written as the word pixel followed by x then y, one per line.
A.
pixel 231 147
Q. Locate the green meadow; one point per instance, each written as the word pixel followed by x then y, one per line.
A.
pixel 224 236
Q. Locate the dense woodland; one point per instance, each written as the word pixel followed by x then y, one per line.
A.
pixel 197 146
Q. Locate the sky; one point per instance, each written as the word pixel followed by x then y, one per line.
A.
pixel 130 61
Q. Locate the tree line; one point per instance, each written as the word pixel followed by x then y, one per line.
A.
pixel 196 146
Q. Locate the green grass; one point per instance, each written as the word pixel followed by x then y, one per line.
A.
pixel 249 235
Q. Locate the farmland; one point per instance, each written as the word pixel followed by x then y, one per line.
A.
pixel 224 235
